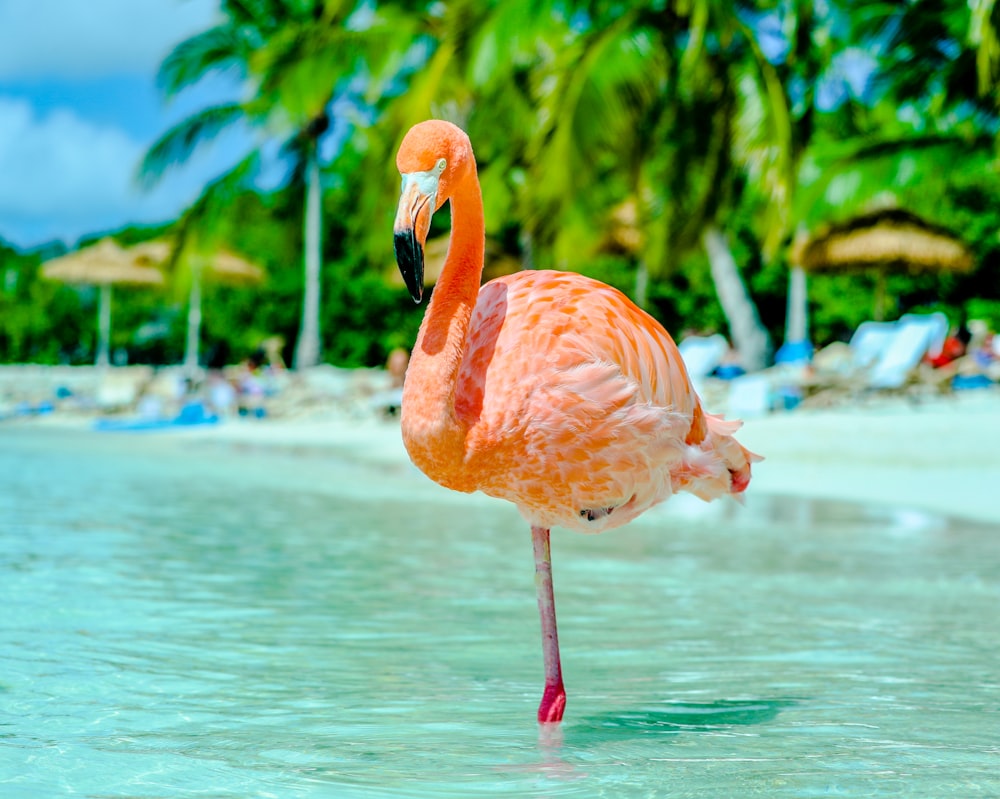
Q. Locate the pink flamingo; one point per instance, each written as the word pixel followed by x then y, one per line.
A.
pixel 548 389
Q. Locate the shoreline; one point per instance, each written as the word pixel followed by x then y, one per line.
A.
pixel 939 455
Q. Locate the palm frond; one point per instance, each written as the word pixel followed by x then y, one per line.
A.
pixel 209 214
pixel 774 150
pixel 984 33
pixel 698 29
pixel 180 141
pixel 910 171
pixel 867 149
pixel 593 102
pixel 264 16
pixel 218 48
pixel 506 40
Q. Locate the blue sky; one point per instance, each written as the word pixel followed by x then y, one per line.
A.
pixel 78 108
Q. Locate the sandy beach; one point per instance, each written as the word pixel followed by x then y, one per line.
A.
pixel 939 455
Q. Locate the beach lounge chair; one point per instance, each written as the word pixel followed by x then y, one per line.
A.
pixel 914 337
pixel 702 355
pixel 937 327
pixel 870 342
pixel 749 397
pixel 883 356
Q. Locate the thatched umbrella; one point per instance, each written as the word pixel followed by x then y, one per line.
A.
pixel 883 241
pixel 222 266
pixel 624 233
pixel 102 264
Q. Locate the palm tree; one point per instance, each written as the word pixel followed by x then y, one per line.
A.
pixel 192 251
pixel 936 116
pixel 468 62
pixel 666 114
pixel 579 109
pixel 930 134
pixel 292 59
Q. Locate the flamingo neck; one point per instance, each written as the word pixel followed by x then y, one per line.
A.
pixel 432 432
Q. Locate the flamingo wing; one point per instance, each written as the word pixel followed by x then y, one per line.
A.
pixel 576 401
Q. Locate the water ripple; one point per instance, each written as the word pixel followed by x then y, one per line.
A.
pixel 261 624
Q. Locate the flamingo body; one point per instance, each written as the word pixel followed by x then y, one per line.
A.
pixel 576 405
pixel 548 389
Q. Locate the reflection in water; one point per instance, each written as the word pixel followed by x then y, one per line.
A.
pixel 654 725
pixel 243 623
pixel 672 718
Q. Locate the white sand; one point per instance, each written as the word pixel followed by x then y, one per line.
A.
pixel 941 456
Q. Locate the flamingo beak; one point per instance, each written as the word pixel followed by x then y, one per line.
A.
pixel 413 220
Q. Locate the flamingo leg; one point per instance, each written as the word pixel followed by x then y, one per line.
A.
pixel 554 699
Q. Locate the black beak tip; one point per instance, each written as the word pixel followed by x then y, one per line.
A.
pixel 410 259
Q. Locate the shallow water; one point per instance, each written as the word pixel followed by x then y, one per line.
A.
pixel 220 621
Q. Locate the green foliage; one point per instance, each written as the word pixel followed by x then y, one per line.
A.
pixel 366 319
pixel 575 110
pixel 986 310
pixel 40 321
pixel 838 304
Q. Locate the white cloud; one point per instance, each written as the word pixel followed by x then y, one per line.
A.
pixel 67 168
pixel 62 176
pixel 54 165
pixel 87 38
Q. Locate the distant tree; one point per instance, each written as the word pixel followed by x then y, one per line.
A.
pixel 41 321
pixel 292 57
pixel 643 114
pixel 926 139
pixel 582 111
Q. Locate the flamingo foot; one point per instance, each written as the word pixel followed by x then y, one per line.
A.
pixel 550 711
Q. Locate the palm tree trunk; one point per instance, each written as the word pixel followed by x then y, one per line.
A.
pixel 642 284
pixel 193 323
pixel 308 346
pixel 527 243
pixel 879 303
pixel 749 337
pixel 104 326
pixel 797 312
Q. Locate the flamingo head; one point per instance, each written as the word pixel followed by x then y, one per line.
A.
pixel 433 159
pixel 717 466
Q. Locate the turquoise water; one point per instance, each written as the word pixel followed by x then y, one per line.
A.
pixel 181 619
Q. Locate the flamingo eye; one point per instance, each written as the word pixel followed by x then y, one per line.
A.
pixel 440 165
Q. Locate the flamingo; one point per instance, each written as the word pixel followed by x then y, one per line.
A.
pixel 548 389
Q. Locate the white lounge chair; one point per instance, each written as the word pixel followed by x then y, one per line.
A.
pixel 870 342
pixel 702 354
pixel 883 356
pixel 749 397
pixel 914 337
pixel 936 324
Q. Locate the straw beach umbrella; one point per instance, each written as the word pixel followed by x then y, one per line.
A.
pixel 103 264
pixel 222 266
pixel 888 240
